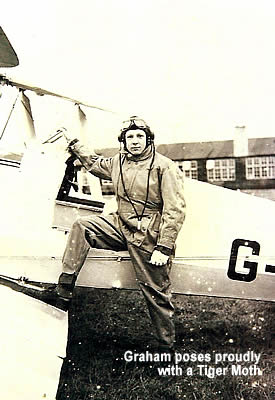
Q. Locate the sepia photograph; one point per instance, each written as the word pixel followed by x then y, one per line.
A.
pixel 137 161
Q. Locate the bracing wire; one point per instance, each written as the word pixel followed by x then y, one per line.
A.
pixel 9 116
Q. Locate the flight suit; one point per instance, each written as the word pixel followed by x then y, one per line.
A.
pixel 162 219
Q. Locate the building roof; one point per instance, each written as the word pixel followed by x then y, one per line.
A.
pixel 261 146
pixel 109 152
pixel 197 150
pixel 215 149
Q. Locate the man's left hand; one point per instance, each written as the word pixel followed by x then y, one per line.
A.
pixel 158 258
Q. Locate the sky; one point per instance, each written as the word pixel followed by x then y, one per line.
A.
pixel 193 69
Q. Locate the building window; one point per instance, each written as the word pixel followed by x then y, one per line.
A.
pixel 260 167
pixel 189 168
pixel 221 170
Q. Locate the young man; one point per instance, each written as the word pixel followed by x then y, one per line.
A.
pixel 151 210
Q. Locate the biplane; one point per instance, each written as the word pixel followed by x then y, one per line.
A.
pixel 225 248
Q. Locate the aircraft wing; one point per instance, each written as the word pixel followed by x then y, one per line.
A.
pixel 33 344
pixel 41 92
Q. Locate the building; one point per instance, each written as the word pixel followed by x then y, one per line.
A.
pixel 241 164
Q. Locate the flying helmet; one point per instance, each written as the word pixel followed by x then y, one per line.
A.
pixel 133 123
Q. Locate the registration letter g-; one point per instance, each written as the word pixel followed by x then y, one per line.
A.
pixel 250 265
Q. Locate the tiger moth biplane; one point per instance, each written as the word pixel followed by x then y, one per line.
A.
pixel 225 248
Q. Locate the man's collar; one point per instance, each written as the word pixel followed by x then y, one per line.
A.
pixel 143 156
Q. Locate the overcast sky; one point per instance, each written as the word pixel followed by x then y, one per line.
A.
pixel 194 69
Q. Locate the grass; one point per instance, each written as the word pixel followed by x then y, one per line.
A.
pixel 104 324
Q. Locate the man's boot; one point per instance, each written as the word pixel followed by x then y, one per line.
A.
pixel 65 286
pixel 61 296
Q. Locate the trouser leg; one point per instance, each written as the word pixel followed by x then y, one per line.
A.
pixel 77 248
pixel 86 232
pixel 155 284
pixel 95 231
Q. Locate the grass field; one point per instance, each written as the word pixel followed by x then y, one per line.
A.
pixel 104 324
